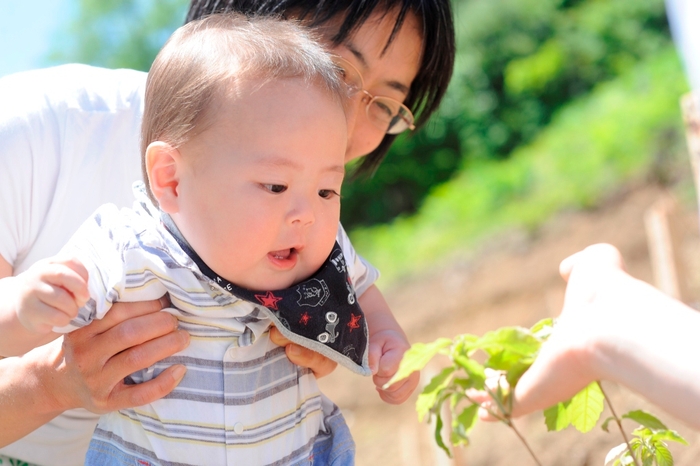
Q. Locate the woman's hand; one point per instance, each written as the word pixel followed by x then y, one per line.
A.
pixel 319 364
pixel 92 362
pixel 86 368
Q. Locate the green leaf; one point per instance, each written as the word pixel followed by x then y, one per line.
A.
pixel 463 345
pixel 670 436
pixel 663 455
pixel 463 383
pixel 438 436
pixel 428 399
pixel 474 370
pixel 556 418
pixel 605 424
pixel 463 424
pixel 455 398
pixel 586 407
pixel 642 432
pixel 512 339
pixel 543 328
pixel 417 357
pixel 467 418
pixel 509 347
pixel 517 370
pixel 645 419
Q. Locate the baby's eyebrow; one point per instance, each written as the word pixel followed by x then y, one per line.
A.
pixel 289 163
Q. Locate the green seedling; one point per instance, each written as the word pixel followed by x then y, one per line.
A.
pixel 507 353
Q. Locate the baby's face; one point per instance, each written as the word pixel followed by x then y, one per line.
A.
pixel 259 189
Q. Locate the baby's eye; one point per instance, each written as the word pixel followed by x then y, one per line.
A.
pixel 327 193
pixel 275 188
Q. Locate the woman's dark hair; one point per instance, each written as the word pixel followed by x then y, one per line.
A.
pixel 434 16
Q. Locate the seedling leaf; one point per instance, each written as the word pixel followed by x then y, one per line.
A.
pixel 438 436
pixel 463 424
pixel 663 455
pixel 586 407
pixel 417 357
pixel 517 370
pixel 556 418
pixel 511 339
pixel 473 369
pixel 671 436
pixel 431 393
pixel 605 424
pixel 543 328
pixel 645 419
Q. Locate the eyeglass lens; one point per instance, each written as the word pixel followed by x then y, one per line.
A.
pixel 386 113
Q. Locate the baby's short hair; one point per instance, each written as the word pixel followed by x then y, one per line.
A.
pixel 217 55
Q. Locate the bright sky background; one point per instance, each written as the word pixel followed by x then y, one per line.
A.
pixel 26 31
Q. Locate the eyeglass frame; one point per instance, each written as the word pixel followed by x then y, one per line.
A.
pixel 344 64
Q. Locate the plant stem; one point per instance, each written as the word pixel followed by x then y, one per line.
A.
pixel 522 439
pixel 619 423
pixel 505 418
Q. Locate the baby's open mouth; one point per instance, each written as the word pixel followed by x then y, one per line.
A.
pixel 282 253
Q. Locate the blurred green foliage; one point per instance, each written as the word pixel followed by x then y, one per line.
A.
pixel 518 62
pixel 615 133
pixel 118 34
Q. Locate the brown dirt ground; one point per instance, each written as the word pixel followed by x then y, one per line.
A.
pixel 513 280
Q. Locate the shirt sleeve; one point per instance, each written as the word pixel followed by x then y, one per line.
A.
pixel 362 273
pixel 98 246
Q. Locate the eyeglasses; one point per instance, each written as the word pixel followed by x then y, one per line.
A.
pixel 384 112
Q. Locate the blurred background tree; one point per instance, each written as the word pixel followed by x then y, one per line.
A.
pixel 118 34
pixel 518 62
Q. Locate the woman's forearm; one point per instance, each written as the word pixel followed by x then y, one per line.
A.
pixel 26 392
pixel 655 352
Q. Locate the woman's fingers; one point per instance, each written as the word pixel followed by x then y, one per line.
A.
pixel 127 396
pixel 122 312
pixel 98 357
pixel 320 365
pixel 145 354
pixel 126 325
pixel 277 337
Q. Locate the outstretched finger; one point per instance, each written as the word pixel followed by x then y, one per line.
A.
pixel 129 396
pixel 596 256
pixel 138 357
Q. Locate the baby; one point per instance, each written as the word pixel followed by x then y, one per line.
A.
pixel 243 143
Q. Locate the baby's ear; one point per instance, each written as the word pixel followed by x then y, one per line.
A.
pixel 162 161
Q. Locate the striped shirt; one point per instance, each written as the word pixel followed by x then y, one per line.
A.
pixel 241 401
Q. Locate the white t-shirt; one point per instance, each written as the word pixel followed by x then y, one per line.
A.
pixel 69 142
